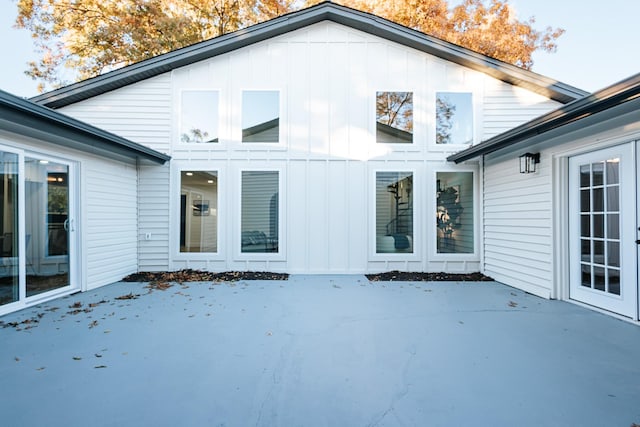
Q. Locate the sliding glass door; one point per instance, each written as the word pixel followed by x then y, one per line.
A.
pixel 37 227
pixel 9 279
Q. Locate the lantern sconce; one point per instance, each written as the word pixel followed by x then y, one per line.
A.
pixel 528 162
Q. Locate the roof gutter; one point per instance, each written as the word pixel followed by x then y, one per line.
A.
pixel 25 117
pixel 605 99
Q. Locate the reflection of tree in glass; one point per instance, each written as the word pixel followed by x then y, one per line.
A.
pixel 395 109
pixel 445 110
pixel 194 135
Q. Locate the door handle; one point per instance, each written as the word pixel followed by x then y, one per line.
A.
pixel 66 225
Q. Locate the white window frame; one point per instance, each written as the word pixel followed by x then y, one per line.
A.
pixel 402 147
pixel 417 191
pixel 237 125
pixel 177 121
pixel 176 190
pixel 431 218
pixel 282 219
pixel 476 98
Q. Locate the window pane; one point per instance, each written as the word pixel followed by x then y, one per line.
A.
pixel 454 118
pixel 199 211
pixel 394 117
pixel 454 215
pixel 598 173
pixel 199 116
pixel 613 199
pixel 613 171
pixel 260 116
pixel 9 227
pixel 394 212
pixel 260 211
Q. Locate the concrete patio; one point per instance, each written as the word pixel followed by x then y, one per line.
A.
pixel 317 351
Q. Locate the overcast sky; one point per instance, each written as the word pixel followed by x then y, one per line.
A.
pixel 600 46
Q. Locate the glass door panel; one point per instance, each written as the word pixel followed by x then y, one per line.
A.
pixel 602 229
pixel 9 279
pixel 46 225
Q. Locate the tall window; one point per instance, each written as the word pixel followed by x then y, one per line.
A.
pixel 199 116
pixel 260 211
pixel 394 117
pixel 260 116
pixel 394 212
pixel 199 211
pixel 454 118
pixel 454 212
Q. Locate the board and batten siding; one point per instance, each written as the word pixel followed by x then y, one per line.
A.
pixel 327 76
pixel 518 246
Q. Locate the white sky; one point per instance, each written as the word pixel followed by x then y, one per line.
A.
pixel 599 47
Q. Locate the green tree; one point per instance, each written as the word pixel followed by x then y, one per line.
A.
pixel 90 37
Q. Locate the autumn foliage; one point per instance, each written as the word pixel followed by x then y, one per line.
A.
pixel 90 37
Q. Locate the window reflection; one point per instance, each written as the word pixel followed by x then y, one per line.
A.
pixel 454 214
pixel 199 116
pixel 394 117
pixel 394 212
pixel 260 211
pixel 454 118
pixel 260 116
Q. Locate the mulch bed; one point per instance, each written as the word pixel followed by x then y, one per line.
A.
pixel 402 276
pixel 203 276
pixel 233 276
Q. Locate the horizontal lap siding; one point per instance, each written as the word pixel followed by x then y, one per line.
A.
pixel 142 113
pixel 506 107
pixel 518 225
pixel 110 241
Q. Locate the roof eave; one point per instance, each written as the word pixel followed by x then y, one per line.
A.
pixel 26 118
pixel 610 97
pixel 362 21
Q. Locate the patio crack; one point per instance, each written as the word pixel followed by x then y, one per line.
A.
pixel 400 394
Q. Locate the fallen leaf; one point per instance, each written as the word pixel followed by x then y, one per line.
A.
pixel 100 366
pixel 513 304
pixel 77 358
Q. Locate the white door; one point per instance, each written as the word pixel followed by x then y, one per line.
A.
pixel 602 227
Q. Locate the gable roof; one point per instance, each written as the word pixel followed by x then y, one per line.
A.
pixel 325 11
pixel 610 102
pixel 26 118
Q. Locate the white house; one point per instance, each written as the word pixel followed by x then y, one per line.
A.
pixel 570 229
pixel 68 195
pixel 316 142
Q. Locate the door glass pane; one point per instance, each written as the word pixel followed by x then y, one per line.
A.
pixel 260 211
pixel 585 200
pixel 613 226
pixel 46 225
pixel 585 250
pixel 198 211
pixel 598 172
pixel 613 276
pixel 598 278
pixel 585 225
pixel 598 226
pixel 9 227
pixel 394 212
pixel 613 171
pixel 585 176
pixel 613 199
pixel 598 199
pixel 585 279
pixel 613 254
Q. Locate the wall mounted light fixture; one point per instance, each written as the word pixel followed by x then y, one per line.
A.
pixel 528 162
